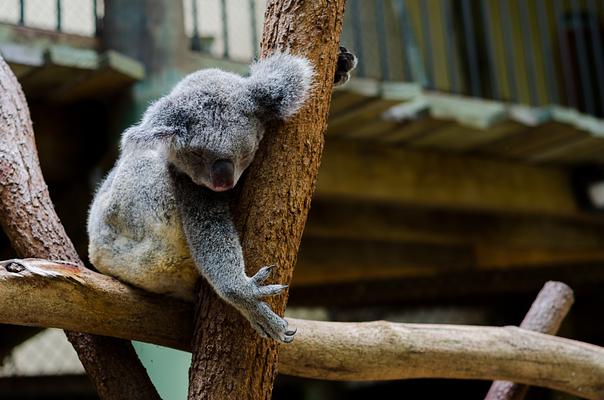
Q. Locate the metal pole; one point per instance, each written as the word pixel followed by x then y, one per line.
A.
pixel 254 26
pixel 195 40
pixel 21 12
pixel 225 28
pixel 59 16
pixel 471 48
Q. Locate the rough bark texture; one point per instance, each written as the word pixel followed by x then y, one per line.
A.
pixel 67 296
pixel 545 316
pixel 29 220
pixel 230 361
pixel 60 295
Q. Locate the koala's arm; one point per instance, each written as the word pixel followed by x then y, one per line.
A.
pixel 216 250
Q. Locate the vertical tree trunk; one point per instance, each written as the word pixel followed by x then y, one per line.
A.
pixel 29 220
pixel 230 361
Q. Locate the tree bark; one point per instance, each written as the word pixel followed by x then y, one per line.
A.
pixel 68 296
pixel 29 220
pixel 545 316
pixel 230 361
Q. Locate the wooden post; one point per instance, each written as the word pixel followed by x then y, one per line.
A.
pixel 230 360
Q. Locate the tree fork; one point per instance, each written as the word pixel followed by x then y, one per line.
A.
pixel 28 218
pixel 229 359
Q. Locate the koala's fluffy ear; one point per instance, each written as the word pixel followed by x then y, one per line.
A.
pixel 148 137
pixel 279 85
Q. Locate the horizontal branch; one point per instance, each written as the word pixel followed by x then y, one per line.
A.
pixel 45 293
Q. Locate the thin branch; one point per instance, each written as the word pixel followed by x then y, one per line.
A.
pixel 545 316
pixel 66 296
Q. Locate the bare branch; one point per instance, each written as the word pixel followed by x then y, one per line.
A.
pixel 545 316
pixel 29 220
pixel 66 296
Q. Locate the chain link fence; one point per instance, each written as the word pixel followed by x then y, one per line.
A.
pixel 79 17
pixel 223 28
pixel 46 354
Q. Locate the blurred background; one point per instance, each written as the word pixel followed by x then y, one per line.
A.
pixel 463 165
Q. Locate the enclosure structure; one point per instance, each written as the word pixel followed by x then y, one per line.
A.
pixel 456 174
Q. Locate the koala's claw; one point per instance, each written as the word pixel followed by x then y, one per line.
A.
pixel 262 274
pixel 271 290
pixel 270 325
pixel 247 299
pixel 266 290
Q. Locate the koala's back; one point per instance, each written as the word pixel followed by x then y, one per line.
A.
pixel 135 228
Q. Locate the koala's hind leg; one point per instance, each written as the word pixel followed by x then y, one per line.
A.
pixel 215 247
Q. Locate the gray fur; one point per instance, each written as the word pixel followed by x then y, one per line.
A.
pixel 159 219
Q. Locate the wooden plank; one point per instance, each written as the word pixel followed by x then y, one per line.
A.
pixel 334 260
pixel 409 130
pixel 115 72
pixel 584 149
pixel 44 37
pixel 381 173
pixel 342 102
pixel 373 130
pixel 379 222
pixel 581 121
pixel 497 257
pixel 471 287
pixel 322 261
pixel 358 116
pixel 477 113
pixel 533 141
pixel 63 64
pixel 457 137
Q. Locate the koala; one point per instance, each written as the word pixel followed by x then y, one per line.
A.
pixel 161 216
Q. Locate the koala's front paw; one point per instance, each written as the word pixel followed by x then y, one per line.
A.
pixel 346 63
pixel 264 320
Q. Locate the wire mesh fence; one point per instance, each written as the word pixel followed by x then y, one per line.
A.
pixel 225 28
pixel 47 353
pixel 80 17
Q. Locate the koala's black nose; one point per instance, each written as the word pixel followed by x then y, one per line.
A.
pixel 223 174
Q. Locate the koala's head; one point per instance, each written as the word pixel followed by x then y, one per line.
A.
pixel 211 123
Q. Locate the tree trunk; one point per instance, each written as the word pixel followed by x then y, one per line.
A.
pixel 29 220
pixel 230 361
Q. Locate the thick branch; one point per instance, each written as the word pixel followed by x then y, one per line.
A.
pixel 545 316
pixel 63 296
pixel 29 220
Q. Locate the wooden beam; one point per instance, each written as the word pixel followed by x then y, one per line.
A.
pixel 457 137
pixel 459 286
pixel 390 223
pixel 385 174
pixel 331 261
